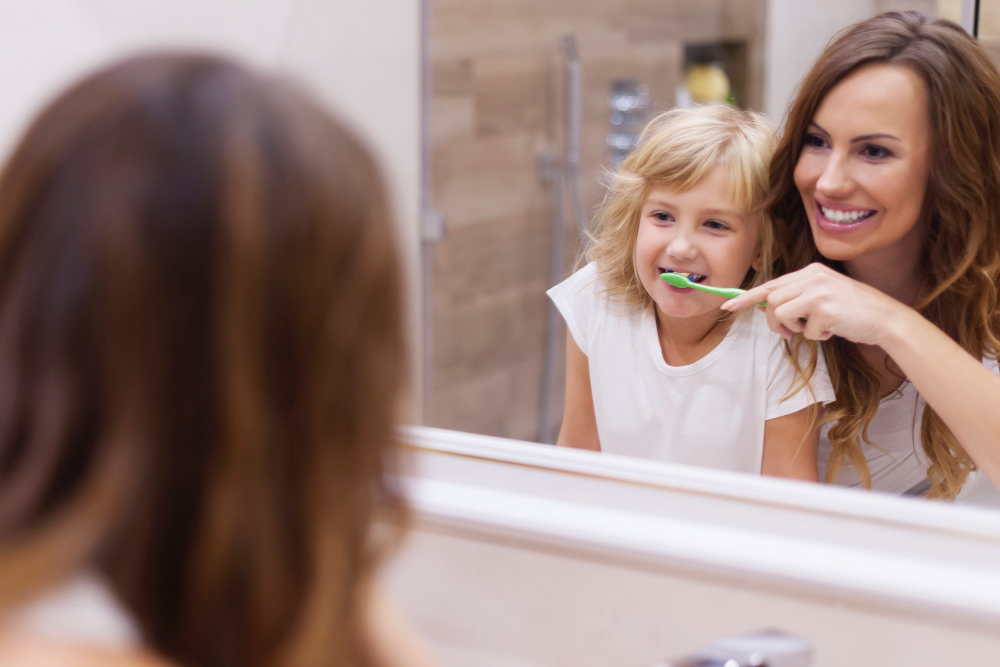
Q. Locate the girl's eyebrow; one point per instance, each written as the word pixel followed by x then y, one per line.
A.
pixel 865 137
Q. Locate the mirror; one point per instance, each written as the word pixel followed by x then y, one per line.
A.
pixel 512 87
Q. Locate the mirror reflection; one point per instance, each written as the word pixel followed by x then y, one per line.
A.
pixel 602 168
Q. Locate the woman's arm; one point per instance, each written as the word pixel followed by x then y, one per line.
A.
pixel 790 444
pixel 579 427
pixel 964 393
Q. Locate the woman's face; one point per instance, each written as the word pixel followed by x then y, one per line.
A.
pixel 864 165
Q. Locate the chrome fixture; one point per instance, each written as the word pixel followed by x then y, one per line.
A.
pixel 763 649
pixel 564 176
pixel 628 105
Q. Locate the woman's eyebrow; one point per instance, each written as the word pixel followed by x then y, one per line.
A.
pixel 864 137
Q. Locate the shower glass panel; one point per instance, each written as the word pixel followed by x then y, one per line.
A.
pixel 498 174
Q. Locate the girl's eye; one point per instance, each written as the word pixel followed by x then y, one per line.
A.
pixel 875 152
pixel 663 217
pixel 715 225
pixel 814 141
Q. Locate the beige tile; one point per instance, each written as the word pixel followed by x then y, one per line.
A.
pixel 452 118
pixel 511 151
pixel 502 403
pixel 480 261
pixel 512 93
pixel 491 334
pixel 452 77
pixel 479 197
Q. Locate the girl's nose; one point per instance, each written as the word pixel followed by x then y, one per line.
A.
pixel 681 247
pixel 835 179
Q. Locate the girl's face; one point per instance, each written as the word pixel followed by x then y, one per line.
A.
pixel 699 232
pixel 863 169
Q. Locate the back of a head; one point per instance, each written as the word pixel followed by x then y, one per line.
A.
pixel 678 149
pixel 201 350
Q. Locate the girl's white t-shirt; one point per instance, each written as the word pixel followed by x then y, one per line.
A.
pixel 896 459
pixel 710 413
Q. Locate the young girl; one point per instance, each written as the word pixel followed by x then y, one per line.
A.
pixel 659 371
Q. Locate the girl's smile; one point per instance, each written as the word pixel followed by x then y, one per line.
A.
pixel 695 231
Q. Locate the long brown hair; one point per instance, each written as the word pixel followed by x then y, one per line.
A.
pixel 961 259
pixel 201 354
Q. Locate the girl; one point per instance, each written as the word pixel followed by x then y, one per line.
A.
pixel 661 372
pixel 887 181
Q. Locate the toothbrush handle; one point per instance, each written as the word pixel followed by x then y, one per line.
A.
pixel 728 292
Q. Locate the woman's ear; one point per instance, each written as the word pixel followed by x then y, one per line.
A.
pixel 756 264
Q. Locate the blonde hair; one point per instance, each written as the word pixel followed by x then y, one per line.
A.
pixel 679 148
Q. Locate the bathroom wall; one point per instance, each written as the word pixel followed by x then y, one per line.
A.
pixel 361 59
pixel 497 104
pixel 798 30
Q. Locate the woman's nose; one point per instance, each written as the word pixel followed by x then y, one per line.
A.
pixel 836 178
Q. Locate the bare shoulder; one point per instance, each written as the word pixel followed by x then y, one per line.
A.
pixel 29 652
pixel 395 643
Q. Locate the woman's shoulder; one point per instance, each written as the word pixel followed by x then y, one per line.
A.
pixel 82 609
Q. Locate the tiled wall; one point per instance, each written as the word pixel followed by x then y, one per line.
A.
pixel 497 106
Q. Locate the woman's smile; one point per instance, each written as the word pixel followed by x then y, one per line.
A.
pixel 863 168
pixel 841 219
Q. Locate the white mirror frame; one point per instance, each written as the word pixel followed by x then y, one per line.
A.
pixel 931 564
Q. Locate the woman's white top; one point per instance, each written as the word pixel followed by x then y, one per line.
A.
pixel 710 413
pixel 896 458
pixel 81 610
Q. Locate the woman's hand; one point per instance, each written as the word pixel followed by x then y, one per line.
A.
pixel 819 303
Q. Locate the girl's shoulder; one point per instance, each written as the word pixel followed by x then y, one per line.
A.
pixel 590 312
pixel 584 290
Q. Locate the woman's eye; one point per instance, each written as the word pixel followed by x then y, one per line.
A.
pixel 716 225
pixel 875 152
pixel 663 217
pixel 814 141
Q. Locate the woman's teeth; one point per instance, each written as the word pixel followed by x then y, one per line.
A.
pixel 846 216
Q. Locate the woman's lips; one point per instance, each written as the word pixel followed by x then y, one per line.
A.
pixel 840 226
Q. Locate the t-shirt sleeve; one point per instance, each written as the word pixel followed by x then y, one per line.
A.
pixel 578 300
pixel 782 379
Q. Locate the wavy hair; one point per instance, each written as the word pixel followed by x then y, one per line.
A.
pixel 201 353
pixel 961 259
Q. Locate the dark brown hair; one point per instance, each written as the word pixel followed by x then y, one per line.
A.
pixel 201 355
pixel 962 255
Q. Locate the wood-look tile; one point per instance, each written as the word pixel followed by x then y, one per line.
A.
pixel 512 93
pixel 491 334
pixel 503 403
pixel 477 262
pixel 453 118
pixel 452 77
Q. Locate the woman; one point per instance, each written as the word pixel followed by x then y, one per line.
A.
pixel 201 356
pixel 888 183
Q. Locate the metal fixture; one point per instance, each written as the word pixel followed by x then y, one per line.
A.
pixel 564 177
pixel 432 224
pixel 969 17
pixel 628 109
pixel 763 649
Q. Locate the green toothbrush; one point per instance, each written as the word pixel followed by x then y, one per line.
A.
pixel 681 280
